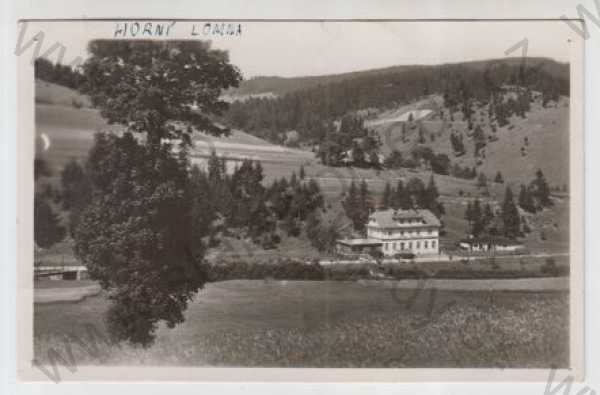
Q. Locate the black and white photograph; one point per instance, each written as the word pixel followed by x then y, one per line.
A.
pixel 391 195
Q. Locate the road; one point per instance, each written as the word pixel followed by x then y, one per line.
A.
pixel 444 258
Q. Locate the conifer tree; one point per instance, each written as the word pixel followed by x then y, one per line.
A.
pixel 482 181
pixel 541 190
pixel 478 221
pixel 499 178
pixel 526 199
pixel 488 215
pixel 510 215
pixel 351 203
pixel 469 216
pixel 386 199
pixel 431 195
pixel 364 206
pixel 401 199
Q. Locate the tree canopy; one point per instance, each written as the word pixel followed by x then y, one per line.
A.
pixel 136 234
pixel 159 88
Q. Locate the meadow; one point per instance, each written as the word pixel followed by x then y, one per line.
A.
pixel 332 324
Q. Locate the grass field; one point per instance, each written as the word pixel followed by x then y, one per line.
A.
pixel 333 324
pixel 50 93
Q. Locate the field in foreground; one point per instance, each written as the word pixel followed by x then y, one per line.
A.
pixel 333 324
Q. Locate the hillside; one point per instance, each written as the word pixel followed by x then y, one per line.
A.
pixel 321 101
pixel 70 131
pixel 517 150
pixel 403 102
pixel 54 94
pixel 278 86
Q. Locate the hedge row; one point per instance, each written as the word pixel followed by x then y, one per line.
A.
pixel 290 269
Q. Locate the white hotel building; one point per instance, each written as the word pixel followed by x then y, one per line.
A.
pixel 398 232
pixel 405 231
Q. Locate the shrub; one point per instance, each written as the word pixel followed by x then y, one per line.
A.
pixel 376 254
pixel 281 270
pixel 76 103
pixel 405 255
pixel 550 268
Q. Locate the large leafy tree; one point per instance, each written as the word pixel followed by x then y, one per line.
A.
pixel 137 234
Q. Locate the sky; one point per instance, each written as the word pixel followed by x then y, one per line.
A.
pixel 315 48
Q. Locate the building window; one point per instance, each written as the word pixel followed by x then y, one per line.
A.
pixel 418 245
pixel 402 246
pixel 410 245
pixel 425 244
pixel 433 244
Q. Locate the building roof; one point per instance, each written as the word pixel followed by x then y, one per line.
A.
pixel 393 218
pixel 360 242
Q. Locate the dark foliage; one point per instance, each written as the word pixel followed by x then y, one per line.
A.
pixel 47 229
pixel 480 219
pixel 282 269
pixel 463 172
pixel 312 111
pixel 351 144
pixel 40 169
pixel 76 194
pixel 536 195
pixel 58 73
pixel 322 236
pixel 510 216
pixel 135 236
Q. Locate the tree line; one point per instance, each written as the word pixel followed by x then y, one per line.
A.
pixel 358 202
pixel 311 112
pixel 350 144
pixel 484 221
pixel 57 73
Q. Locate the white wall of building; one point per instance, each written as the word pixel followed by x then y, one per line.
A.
pixel 424 241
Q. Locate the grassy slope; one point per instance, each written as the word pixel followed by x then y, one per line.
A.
pixel 50 93
pixel 546 129
pixel 336 324
pixel 71 131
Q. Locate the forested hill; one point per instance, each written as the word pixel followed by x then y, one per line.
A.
pixel 281 85
pixel 309 105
